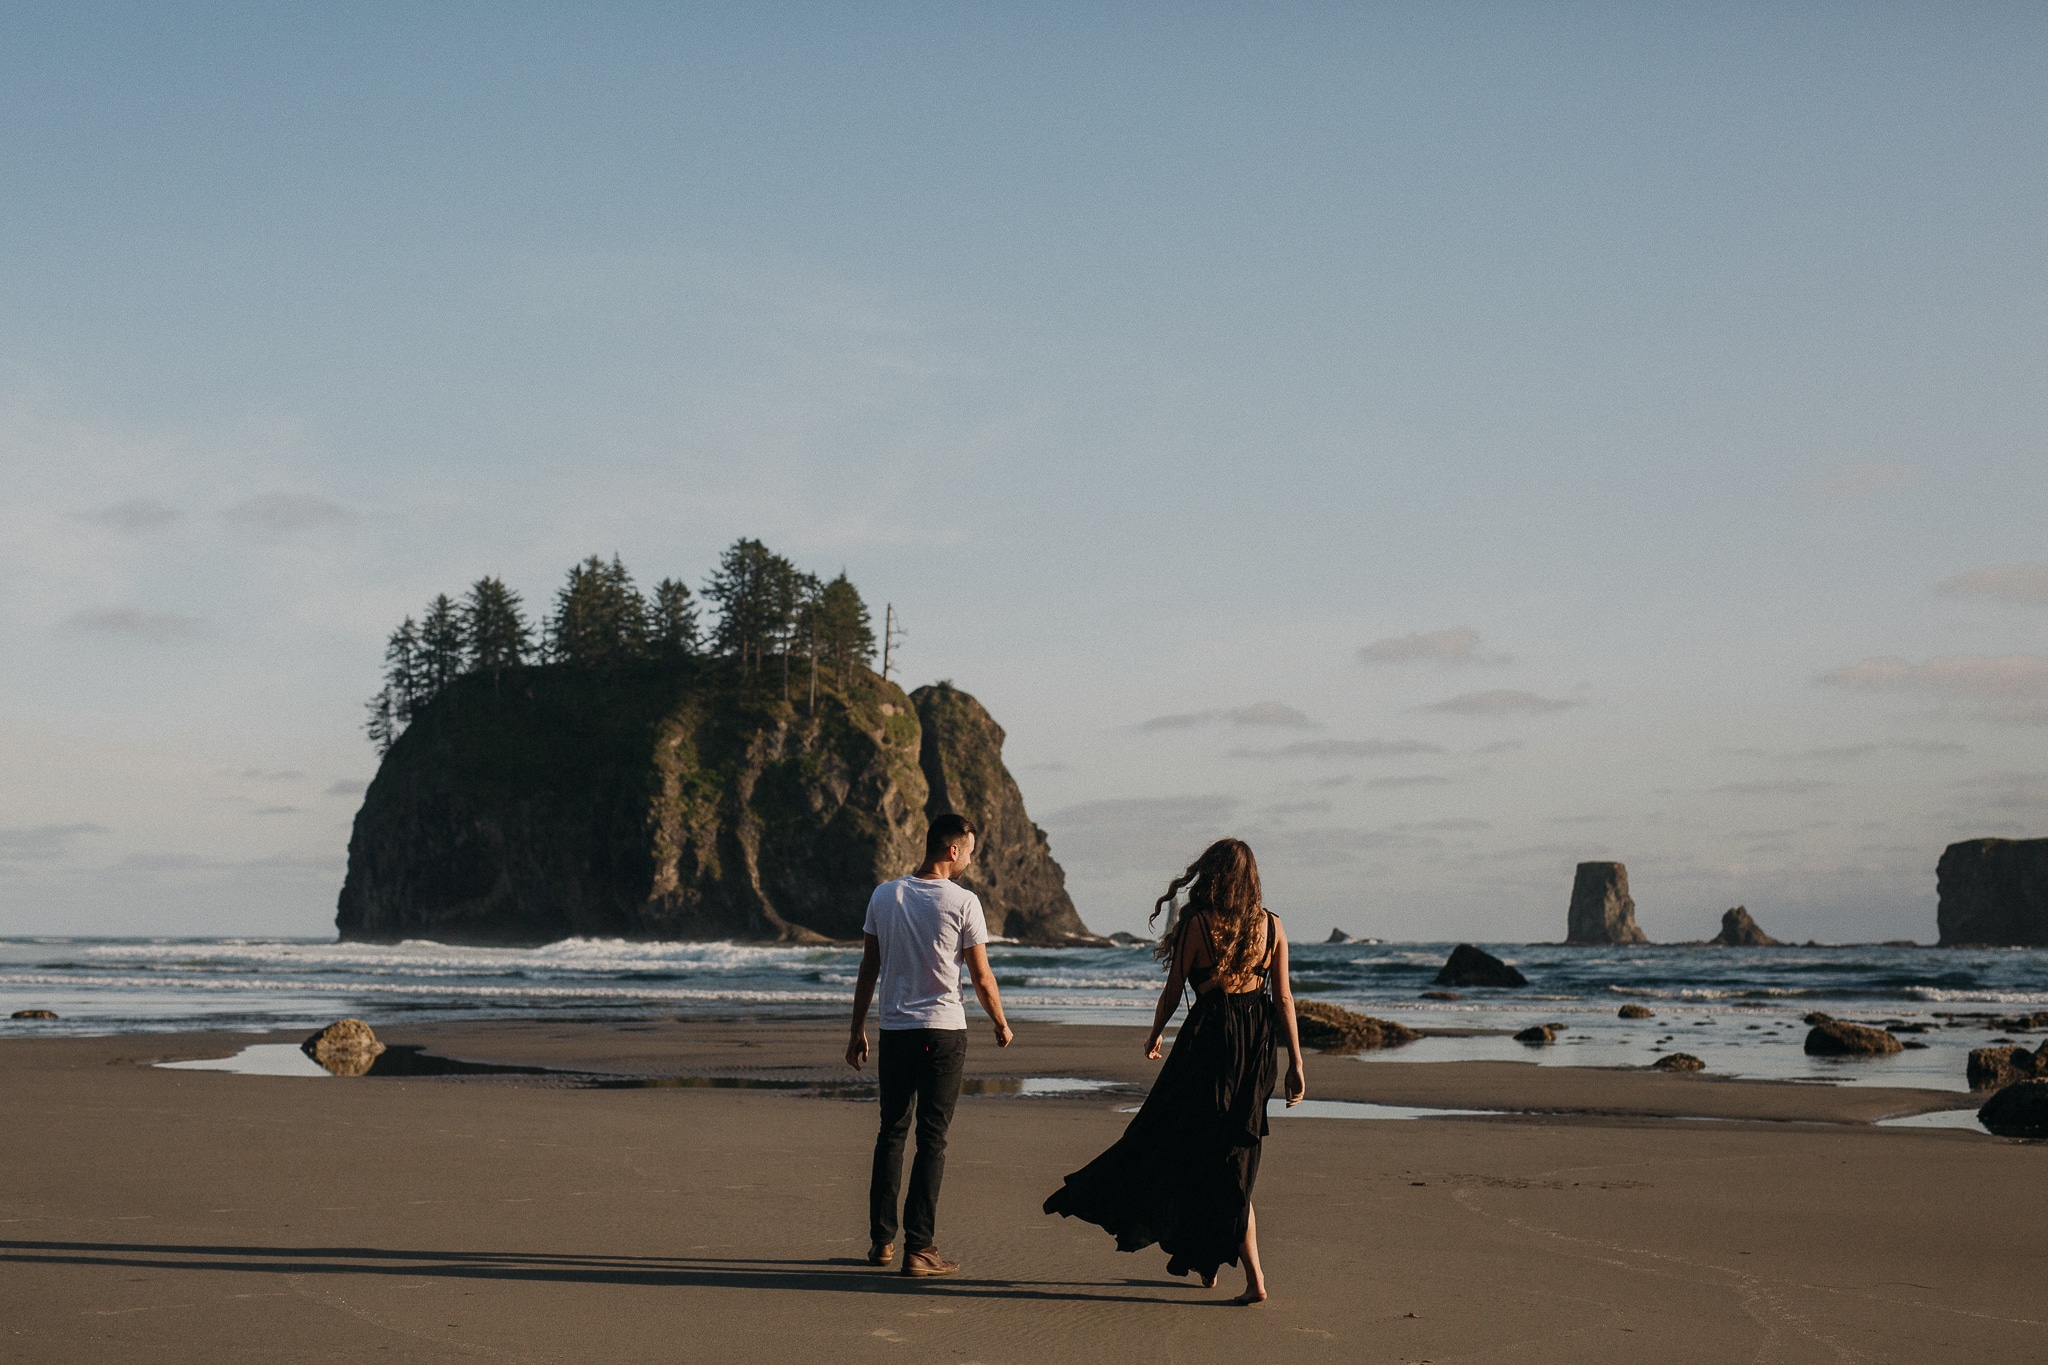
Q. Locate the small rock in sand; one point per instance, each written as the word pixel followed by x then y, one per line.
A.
pixel 1635 1012
pixel 1332 1028
pixel 345 1047
pixel 1994 1068
pixel 1678 1061
pixel 1540 1034
pixel 2019 1110
pixel 1837 1038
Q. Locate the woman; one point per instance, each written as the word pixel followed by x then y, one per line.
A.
pixel 1182 1174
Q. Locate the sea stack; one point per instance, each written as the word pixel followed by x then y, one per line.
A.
pixel 1738 930
pixel 1601 909
pixel 1994 893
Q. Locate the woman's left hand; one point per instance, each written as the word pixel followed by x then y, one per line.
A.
pixel 1297 1084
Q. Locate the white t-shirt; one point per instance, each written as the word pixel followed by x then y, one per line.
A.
pixel 926 925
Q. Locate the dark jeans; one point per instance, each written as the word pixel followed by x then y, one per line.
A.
pixel 919 1068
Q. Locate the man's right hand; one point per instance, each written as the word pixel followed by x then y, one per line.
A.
pixel 857 1049
pixel 1003 1035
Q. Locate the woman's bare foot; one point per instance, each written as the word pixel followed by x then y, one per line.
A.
pixel 1252 1294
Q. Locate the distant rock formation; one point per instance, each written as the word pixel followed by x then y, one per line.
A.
pixel 346 1047
pixel 1539 1035
pixel 1337 936
pixel 1470 966
pixel 960 747
pixel 1678 1061
pixel 1602 911
pixel 1738 930
pixel 2020 1110
pixel 1441 995
pixel 682 800
pixel 1994 893
pixel 1839 1038
pixel 1332 1028
pixel 1635 1012
pixel 1992 1068
pixel 33 1014
pixel 1124 940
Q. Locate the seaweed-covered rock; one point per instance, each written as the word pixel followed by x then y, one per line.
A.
pixel 680 799
pixel 1470 966
pixel 1738 930
pixel 2020 1110
pixel 1635 1012
pixel 1838 1038
pixel 1992 1068
pixel 346 1047
pixel 1678 1061
pixel 1602 910
pixel 33 1014
pixel 1539 1034
pixel 1332 1028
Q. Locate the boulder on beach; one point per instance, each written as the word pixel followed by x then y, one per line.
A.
pixel 2020 1110
pixel 1993 1068
pixel 1441 995
pixel 33 1014
pixel 1470 966
pixel 1635 1012
pixel 1838 1038
pixel 1539 1034
pixel 345 1047
pixel 1678 1061
pixel 1332 1028
pixel 1738 930
pixel 1338 936
pixel 1602 911
pixel 1993 893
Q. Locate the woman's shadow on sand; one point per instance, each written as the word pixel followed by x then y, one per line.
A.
pixel 839 1274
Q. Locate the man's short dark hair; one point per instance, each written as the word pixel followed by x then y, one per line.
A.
pixel 946 831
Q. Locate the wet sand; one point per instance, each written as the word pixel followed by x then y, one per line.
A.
pixel 153 1215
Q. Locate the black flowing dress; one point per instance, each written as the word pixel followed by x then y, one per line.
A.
pixel 1182 1173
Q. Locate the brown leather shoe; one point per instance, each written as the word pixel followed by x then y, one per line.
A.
pixel 881 1253
pixel 925 1262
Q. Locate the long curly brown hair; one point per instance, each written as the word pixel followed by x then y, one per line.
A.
pixel 1224 885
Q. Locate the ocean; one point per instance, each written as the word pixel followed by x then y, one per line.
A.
pixel 1738 1009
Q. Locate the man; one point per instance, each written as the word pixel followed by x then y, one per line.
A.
pixel 919 930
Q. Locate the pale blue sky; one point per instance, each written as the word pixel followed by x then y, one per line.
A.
pixel 1657 364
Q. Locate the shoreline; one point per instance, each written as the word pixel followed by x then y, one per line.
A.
pixel 155 1214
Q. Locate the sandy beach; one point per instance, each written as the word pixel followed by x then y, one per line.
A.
pixel 163 1215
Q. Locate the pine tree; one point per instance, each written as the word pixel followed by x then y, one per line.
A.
pixel 392 709
pixel 600 619
pixel 673 618
pixel 495 628
pixel 846 634
pixel 442 649
pixel 755 591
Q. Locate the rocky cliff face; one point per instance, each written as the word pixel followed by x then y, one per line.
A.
pixel 1023 891
pixel 1994 892
pixel 668 801
pixel 1602 911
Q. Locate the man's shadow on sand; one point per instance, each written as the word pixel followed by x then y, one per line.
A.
pixel 840 1274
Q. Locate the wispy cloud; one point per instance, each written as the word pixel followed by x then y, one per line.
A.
pixel 40 843
pixel 271 775
pixel 2008 791
pixel 2026 583
pixel 1775 786
pixel 346 786
pixel 283 513
pixel 1869 478
pixel 161 627
pixel 1343 748
pixel 1265 713
pixel 1501 702
pixel 1166 831
pixel 133 516
pixel 1413 780
pixel 2012 688
pixel 1456 646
